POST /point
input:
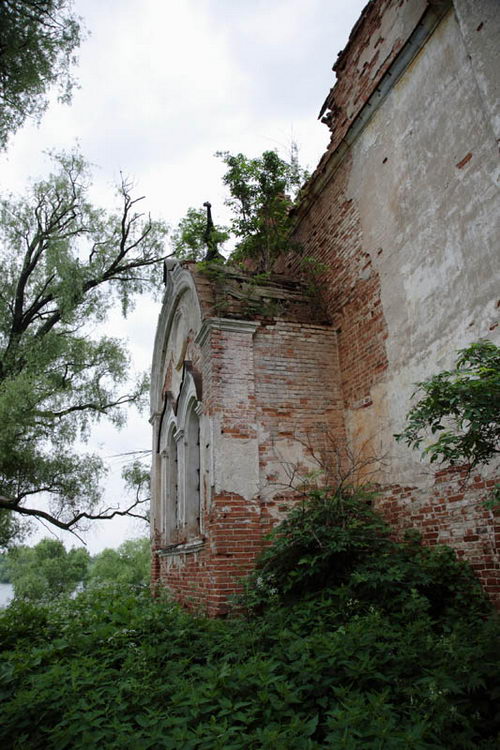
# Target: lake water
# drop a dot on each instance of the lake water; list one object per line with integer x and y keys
{"x": 6, "y": 594}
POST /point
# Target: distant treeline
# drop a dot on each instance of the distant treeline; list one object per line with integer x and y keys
{"x": 48, "y": 569}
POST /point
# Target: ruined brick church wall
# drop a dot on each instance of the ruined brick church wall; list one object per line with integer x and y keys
{"x": 268, "y": 385}
{"x": 403, "y": 212}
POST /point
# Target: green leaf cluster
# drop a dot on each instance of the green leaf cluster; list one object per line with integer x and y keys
{"x": 262, "y": 191}
{"x": 47, "y": 570}
{"x": 37, "y": 43}
{"x": 336, "y": 543}
{"x": 129, "y": 565}
{"x": 369, "y": 659}
{"x": 461, "y": 407}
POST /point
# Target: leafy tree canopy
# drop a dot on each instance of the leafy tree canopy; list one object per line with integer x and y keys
{"x": 4, "y": 569}
{"x": 63, "y": 263}
{"x": 46, "y": 570}
{"x": 13, "y": 529}
{"x": 130, "y": 564}
{"x": 37, "y": 42}
{"x": 462, "y": 407}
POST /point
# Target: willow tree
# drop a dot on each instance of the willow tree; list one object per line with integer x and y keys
{"x": 38, "y": 39}
{"x": 63, "y": 264}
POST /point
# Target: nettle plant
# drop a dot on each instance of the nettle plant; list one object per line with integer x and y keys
{"x": 359, "y": 641}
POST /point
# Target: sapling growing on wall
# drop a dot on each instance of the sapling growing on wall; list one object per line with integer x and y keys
{"x": 188, "y": 239}
{"x": 262, "y": 191}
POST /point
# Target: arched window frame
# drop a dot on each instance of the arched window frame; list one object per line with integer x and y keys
{"x": 169, "y": 476}
{"x": 189, "y": 411}
{"x": 192, "y": 469}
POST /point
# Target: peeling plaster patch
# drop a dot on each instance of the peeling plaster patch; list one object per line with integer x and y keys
{"x": 362, "y": 403}
{"x": 369, "y": 436}
{"x": 290, "y": 468}
{"x": 236, "y": 468}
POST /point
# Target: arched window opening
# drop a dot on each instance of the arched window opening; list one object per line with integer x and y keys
{"x": 192, "y": 452}
{"x": 169, "y": 498}
{"x": 172, "y": 493}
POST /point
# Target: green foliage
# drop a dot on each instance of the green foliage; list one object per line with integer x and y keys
{"x": 336, "y": 543}
{"x": 130, "y": 564}
{"x": 12, "y": 529}
{"x": 371, "y": 659}
{"x": 63, "y": 263}
{"x": 188, "y": 240}
{"x": 4, "y": 568}
{"x": 322, "y": 540}
{"x": 46, "y": 570}
{"x": 461, "y": 406}
{"x": 261, "y": 191}
{"x": 37, "y": 42}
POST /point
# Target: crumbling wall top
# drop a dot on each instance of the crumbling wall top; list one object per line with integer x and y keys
{"x": 381, "y": 31}
{"x": 229, "y": 292}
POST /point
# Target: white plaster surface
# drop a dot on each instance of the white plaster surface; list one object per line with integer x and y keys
{"x": 236, "y": 465}
{"x": 479, "y": 22}
{"x": 436, "y": 223}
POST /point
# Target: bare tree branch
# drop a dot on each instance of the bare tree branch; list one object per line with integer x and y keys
{"x": 108, "y": 513}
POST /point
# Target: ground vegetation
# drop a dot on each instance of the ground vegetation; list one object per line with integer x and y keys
{"x": 343, "y": 638}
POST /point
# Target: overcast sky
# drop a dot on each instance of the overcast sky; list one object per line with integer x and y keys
{"x": 164, "y": 84}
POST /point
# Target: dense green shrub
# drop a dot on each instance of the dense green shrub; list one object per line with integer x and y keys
{"x": 373, "y": 644}
{"x": 336, "y": 545}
